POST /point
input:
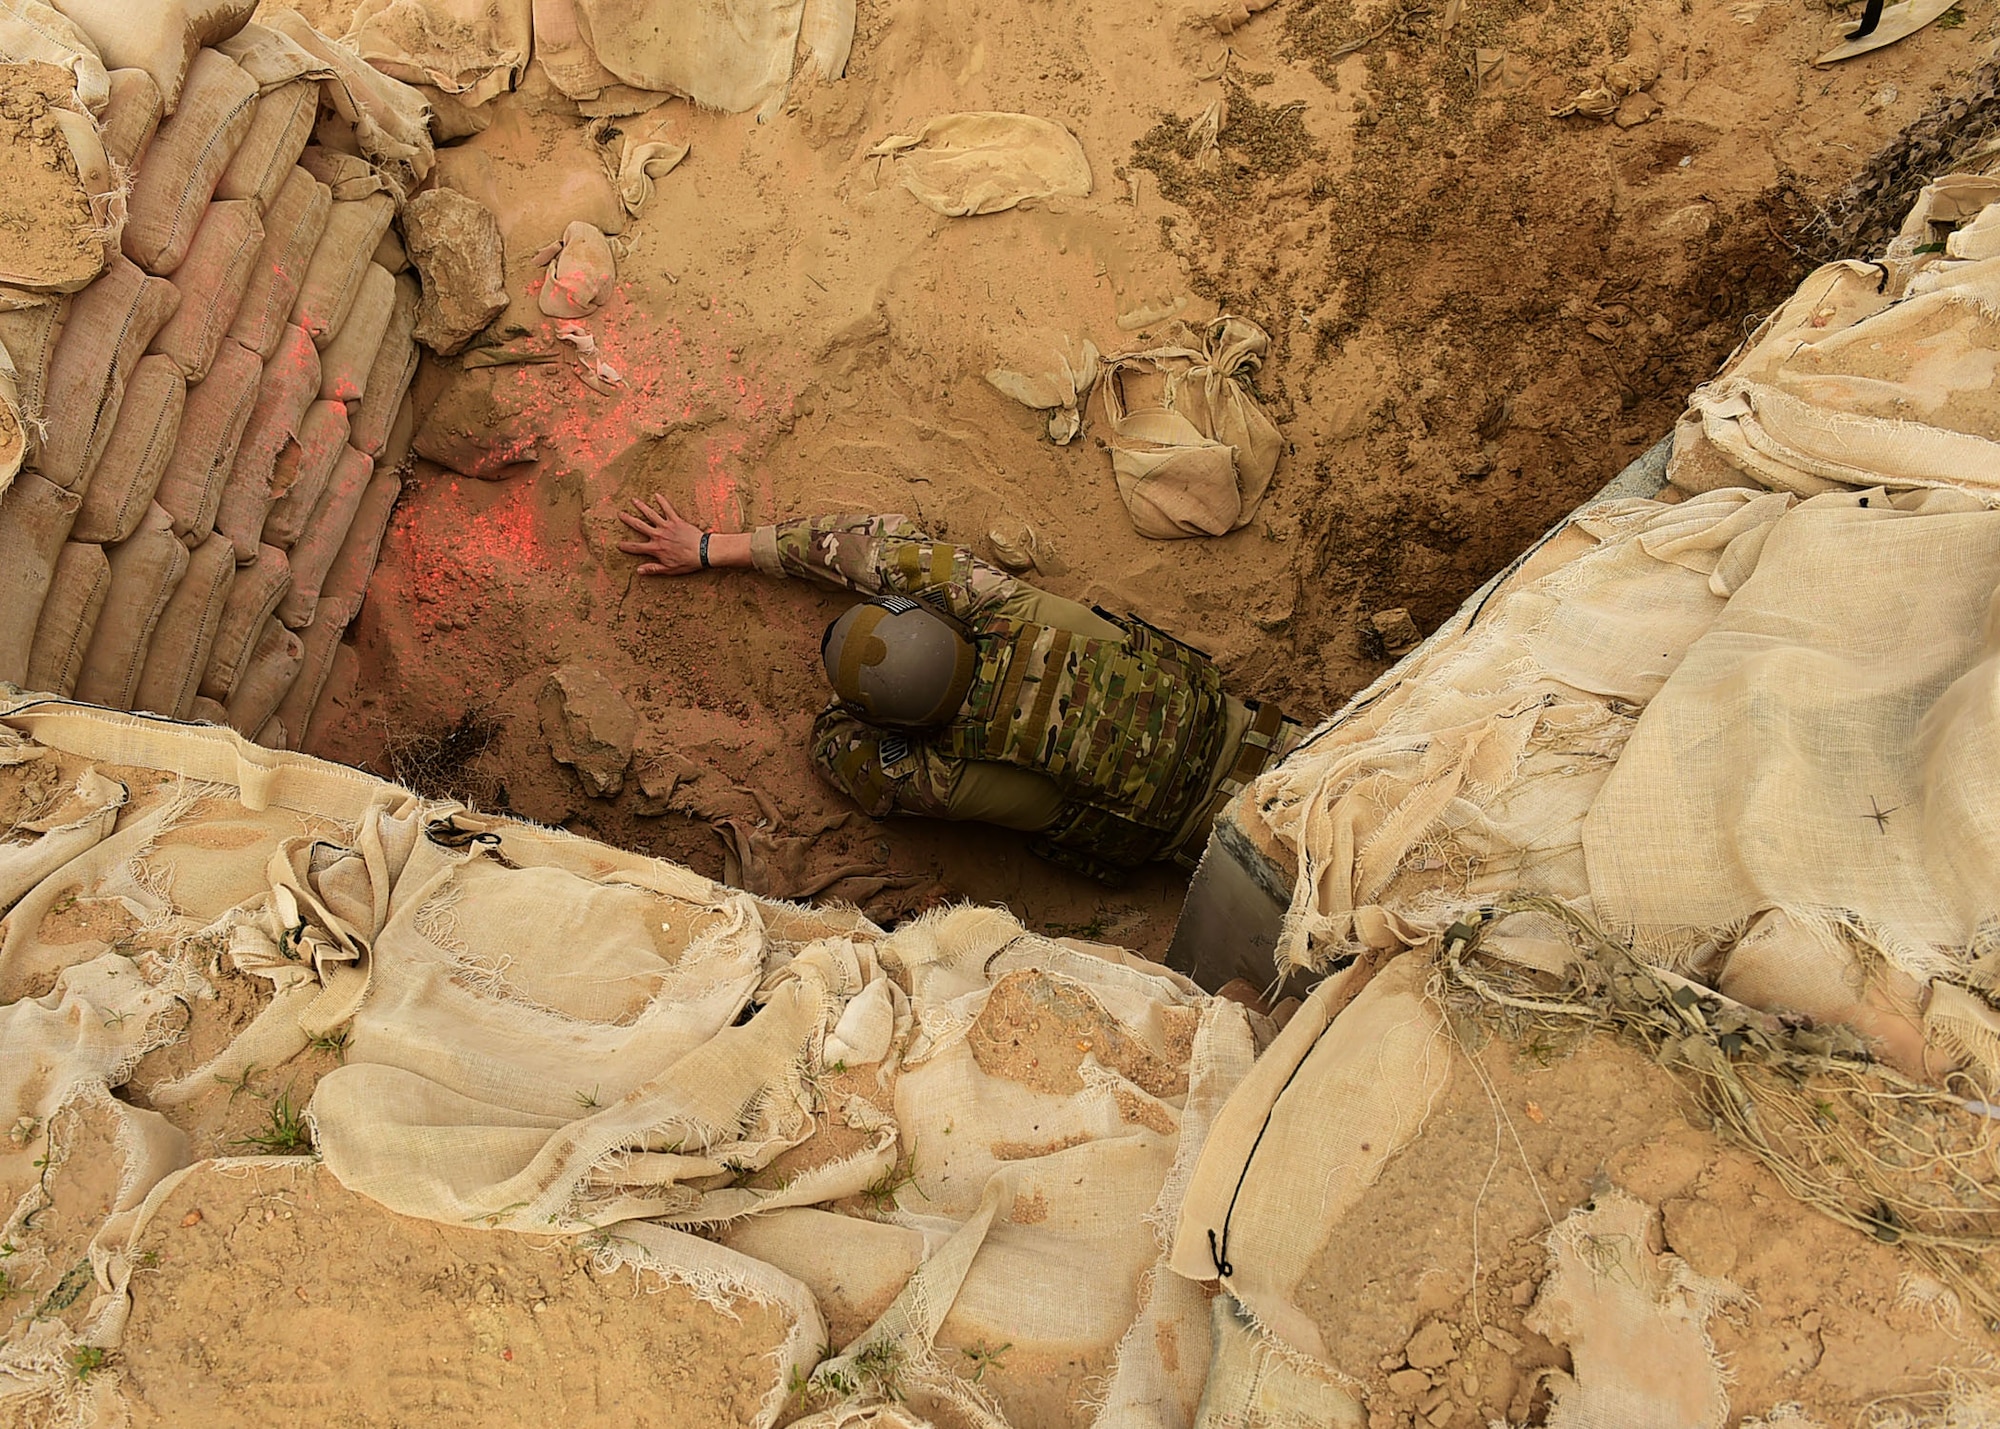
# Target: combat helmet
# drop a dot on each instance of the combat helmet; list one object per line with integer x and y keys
{"x": 895, "y": 662}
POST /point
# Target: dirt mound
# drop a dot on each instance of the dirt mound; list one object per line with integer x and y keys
{"x": 267, "y": 1292}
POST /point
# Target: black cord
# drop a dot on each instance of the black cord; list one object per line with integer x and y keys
{"x": 1219, "y": 1253}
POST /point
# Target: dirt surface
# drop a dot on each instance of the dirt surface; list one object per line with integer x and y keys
{"x": 269, "y": 1294}
{"x": 48, "y": 238}
{"x": 1452, "y": 1237}
{"x": 1478, "y": 313}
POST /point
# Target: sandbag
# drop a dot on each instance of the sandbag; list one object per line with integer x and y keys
{"x": 110, "y": 325}
{"x": 292, "y": 228}
{"x": 69, "y": 614}
{"x": 300, "y": 476}
{"x": 211, "y": 280}
{"x": 178, "y": 654}
{"x": 207, "y": 711}
{"x": 390, "y": 252}
{"x": 131, "y": 116}
{"x": 963, "y": 164}
{"x": 123, "y": 486}
{"x": 31, "y": 32}
{"x": 395, "y": 366}
{"x": 290, "y": 381}
{"x": 35, "y": 520}
{"x": 390, "y": 119}
{"x": 251, "y": 603}
{"x": 326, "y": 531}
{"x": 402, "y": 434}
{"x": 145, "y": 568}
{"x": 350, "y": 357}
{"x": 333, "y": 279}
{"x": 342, "y": 677}
{"x": 162, "y": 37}
{"x": 30, "y": 326}
{"x": 349, "y": 177}
{"x": 273, "y": 59}
{"x": 581, "y": 269}
{"x": 270, "y": 150}
{"x": 1199, "y": 461}
{"x": 321, "y": 641}
{"x": 474, "y": 49}
{"x": 266, "y": 676}
{"x": 346, "y": 581}
{"x": 57, "y": 193}
{"x": 273, "y": 735}
{"x": 172, "y": 188}
{"x": 211, "y": 427}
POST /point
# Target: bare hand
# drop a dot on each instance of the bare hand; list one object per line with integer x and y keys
{"x": 674, "y": 545}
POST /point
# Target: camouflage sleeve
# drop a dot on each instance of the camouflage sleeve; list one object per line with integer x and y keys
{"x": 881, "y": 770}
{"x": 876, "y": 555}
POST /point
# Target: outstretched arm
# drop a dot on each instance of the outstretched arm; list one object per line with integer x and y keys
{"x": 673, "y": 545}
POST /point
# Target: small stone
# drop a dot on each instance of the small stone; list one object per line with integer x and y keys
{"x": 589, "y": 727}
{"x": 1524, "y": 1293}
{"x": 1397, "y": 631}
{"x": 1410, "y": 1384}
{"x": 1636, "y": 109}
{"x": 1500, "y": 1339}
{"x": 192, "y": 1218}
{"x": 1441, "y": 1415}
{"x": 659, "y": 773}
{"x": 1431, "y": 1347}
{"x": 454, "y": 241}
{"x": 1013, "y": 544}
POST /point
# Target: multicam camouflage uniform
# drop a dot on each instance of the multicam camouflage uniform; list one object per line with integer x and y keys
{"x": 1106, "y": 738}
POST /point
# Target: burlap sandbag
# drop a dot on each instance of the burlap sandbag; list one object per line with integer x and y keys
{"x": 350, "y": 357}
{"x": 69, "y": 614}
{"x": 252, "y": 601}
{"x": 211, "y": 280}
{"x": 302, "y": 471}
{"x": 178, "y": 653}
{"x": 390, "y": 119}
{"x": 131, "y": 116}
{"x": 963, "y": 164}
{"x": 342, "y": 678}
{"x": 162, "y": 37}
{"x": 149, "y": 422}
{"x": 326, "y": 531}
{"x": 58, "y": 198}
{"x": 1198, "y": 460}
{"x": 474, "y": 49}
{"x": 110, "y": 325}
{"x": 31, "y": 32}
{"x": 292, "y": 228}
{"x": 348, "y": 177}
{"x": 172, "y": 188}
{"x": 207, "y": 711}
{"x": 321, "y": 641}
{"x": 265, "y": 679}
{"x": 390, "y": 377}
{"x": 735, "y": 57}
{"x": 211, "y": 426}
{"x": 333, "y": 279}
{"x": 270, "y": 149}
{"x": 290, "y": 379}
{"x": 30, "y": 327}
{"x": 145, "y": 568}
{"x": 346, "y": 580}
{"x": 35, "y": 520}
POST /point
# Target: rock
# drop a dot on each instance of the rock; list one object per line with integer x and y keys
{"x": 1635, "y": 109}
{"x": 1431, "y": 1347}
{"x": 1410, "y": 1384}
{"x": 659, "y": 773}
{"x": 1699, "y": 1233}
{"x": 455, "y": 243}
{"x": 1397, "y": 632}
{"x": 589, "y": 727}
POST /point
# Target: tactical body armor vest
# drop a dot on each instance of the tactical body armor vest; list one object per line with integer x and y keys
{"x": 1129, "y": 730}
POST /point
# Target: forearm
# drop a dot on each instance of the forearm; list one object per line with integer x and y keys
{"x": 727, "y": 550}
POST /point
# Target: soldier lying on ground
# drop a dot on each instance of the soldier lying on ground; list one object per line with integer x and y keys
{"x": 964, "y": 693}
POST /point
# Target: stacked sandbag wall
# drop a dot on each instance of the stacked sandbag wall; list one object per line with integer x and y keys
{"x": 212, "y": 433}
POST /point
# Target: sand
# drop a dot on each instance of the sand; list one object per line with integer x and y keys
{"x": 1478, "y": 314}
{"x": 48, "y": 238}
